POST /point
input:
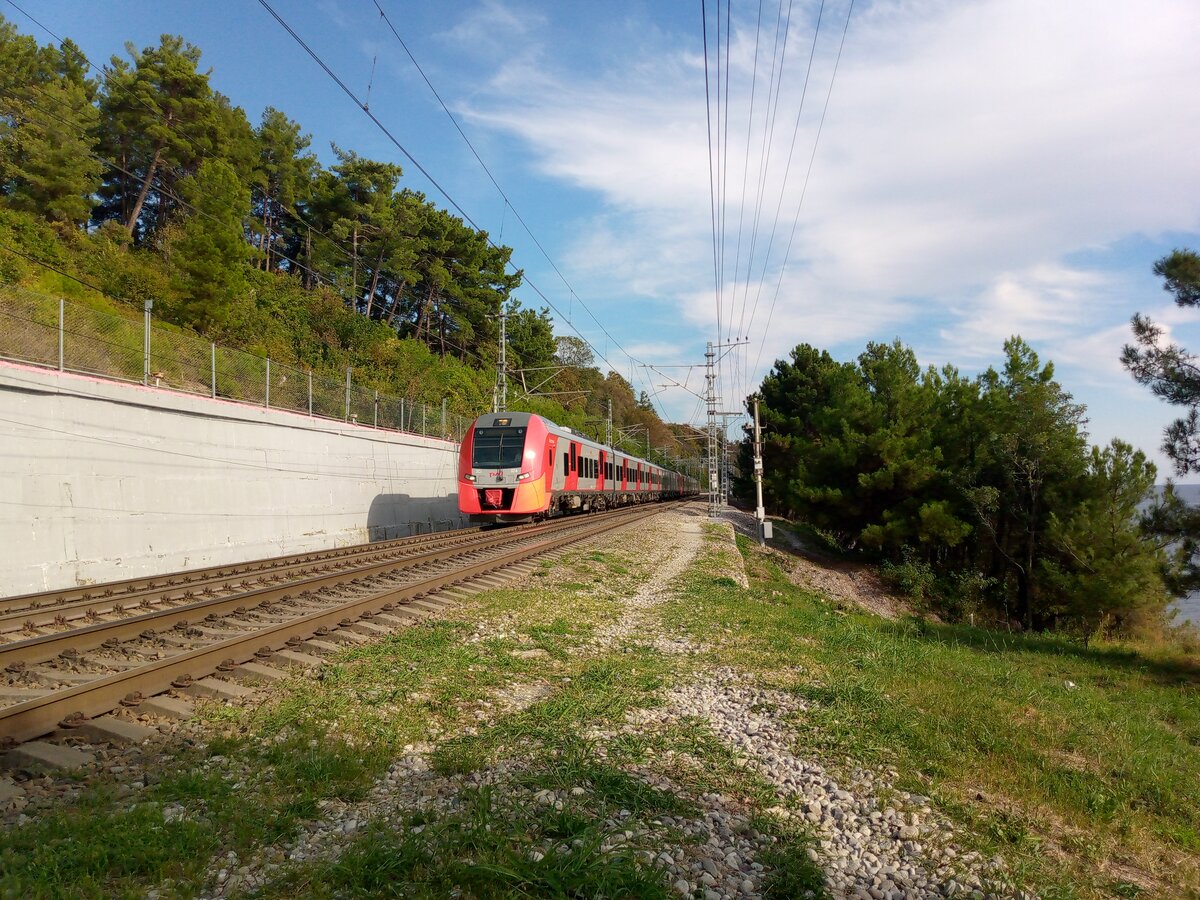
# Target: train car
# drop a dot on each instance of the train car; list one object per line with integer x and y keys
{"x": 518, "y": 467}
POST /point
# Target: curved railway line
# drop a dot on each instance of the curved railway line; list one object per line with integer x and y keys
{"x": 73, "y": 655}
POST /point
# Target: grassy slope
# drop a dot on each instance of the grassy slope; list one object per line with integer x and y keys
{"x": 1086, "y": 791}
{"x": 1080, "y": 765}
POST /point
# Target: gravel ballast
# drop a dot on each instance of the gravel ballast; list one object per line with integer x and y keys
{"x": 869, "y": 839}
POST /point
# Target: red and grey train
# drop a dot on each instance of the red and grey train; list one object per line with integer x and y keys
{"x": 517, "y": 467}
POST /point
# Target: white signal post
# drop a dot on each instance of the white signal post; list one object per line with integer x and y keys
{"x": 716, "y": 489}
{"x": 500, "y": 401}
{"x": 760, "y": 514}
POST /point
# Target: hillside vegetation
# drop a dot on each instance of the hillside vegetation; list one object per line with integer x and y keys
{"x": 981, "y": 497}
{"x": 149, "y": 184}
{"x": 605, "y": 729}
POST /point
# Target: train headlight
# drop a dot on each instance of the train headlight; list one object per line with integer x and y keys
{"x": 469, "y": 477}
{"x": 523, "y": 476}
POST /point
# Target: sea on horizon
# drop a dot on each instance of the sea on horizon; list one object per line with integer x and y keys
{"x": 1189, "y": 609}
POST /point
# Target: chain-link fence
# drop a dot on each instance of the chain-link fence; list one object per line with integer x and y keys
{"x": 50, "y": 332}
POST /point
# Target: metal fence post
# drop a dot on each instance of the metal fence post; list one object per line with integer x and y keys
{"x": 310, "y": 393}
{"x": 402, "y": 428}
{"x": 376, "y": 409}
{"x": 214, "y": 370}
{"x": 444, "y": 416}
{"x": 62, "y": 324}
{"x": 423, "y": 432}
{"x": 268, "y": 403}
{"x": 146, "y": 343}
{"x": 349, "y": 369}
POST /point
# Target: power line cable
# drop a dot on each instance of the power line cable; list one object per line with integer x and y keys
{"x": 712, "y": 192}
{"x": 508, "y": 204}
{"x": 306, "y": 267}
{"x": 786, "y": 172}
{"x": 437, "y": 185}
{"x": 315, "y": 273}
{"x": 770, "y": 115}
{"x": 804, "y": 191}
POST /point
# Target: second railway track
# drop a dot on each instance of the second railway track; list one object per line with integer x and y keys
{"x": 94, "y": 659}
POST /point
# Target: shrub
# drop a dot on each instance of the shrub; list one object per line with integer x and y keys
{"x": 912, "y": 576}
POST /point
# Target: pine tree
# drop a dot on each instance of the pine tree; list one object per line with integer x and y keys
{"x": 47, "y": 130}
{"x": 159, "y": 119}
{"x": 1167, "y": 369}
{"x": 50, "y": 168}
{"x": 209, "y": 254}
{"x": 1107, "y": 574}
{"x": 283, "y": 180}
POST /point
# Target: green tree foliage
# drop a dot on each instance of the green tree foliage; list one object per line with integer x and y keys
{"x": 1032, "y": 464}
{"x": 159, "y": 118}
{"x": 282, "y": 182}
{"x": 1103, "y": 568}
{"x": 1174, "y": 524}
{"x": 47, "y": 130}
{"x": 1170, "y": 371}
{"x": 530, "y": 341}
{"x": 209, "y": 254}
{"x": 572, "y": 351}
{"x": 240, "y": 232}
{"x": 983, "y": 483}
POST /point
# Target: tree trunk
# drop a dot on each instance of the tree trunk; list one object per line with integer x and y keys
{"x": 441, "y": 327}
{"x": 400, "y": 286}
{"x": 374, "y": 284}
{"x": 423, "y": 316}
{"x": 268, "y": 235}
{"x": 124, "y": 178}
{"x": 1030, "y": 552}
{"x": 354, "y": 289}
{"x": 308, "y": 279}
{"x": 137, "y": 206}
{"x": 262, "y": 239}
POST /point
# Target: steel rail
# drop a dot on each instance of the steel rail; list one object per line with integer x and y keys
{"x": 117, "y": 602}
{"x": 45, "y": 647}
{"x": 38, "y": 716}
{"x": 56, "y": 601}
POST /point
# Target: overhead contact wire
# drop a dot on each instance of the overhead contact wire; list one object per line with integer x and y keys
{"x": 804, "y": 190}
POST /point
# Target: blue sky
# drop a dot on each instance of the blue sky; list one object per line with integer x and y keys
{"x": 985, "y": 167}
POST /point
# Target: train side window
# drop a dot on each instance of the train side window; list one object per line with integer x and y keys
{"x": 566, "y": 464}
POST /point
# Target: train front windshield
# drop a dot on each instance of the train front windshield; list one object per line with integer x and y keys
{"x": 498, "y": 448}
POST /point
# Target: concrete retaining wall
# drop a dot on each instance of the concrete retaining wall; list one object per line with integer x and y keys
{"x": 101, "y": 480}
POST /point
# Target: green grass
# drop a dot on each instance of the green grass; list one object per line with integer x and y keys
{"x": 484, "y": 847}
{"x": 1077, "y": 764}
{"x": 792, "y": 873}
{"x": 1085, "y": 754}
{"x": 235, "y": 795}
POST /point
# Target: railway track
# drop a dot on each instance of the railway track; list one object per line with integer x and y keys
{"x": 74, "y": 657}
{"x": 46, "y": 606}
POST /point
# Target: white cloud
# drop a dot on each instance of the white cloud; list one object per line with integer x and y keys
{"x": 1045, "y": 304}
{"x": 494, "y": 26}
{"x": 971, "y": 149}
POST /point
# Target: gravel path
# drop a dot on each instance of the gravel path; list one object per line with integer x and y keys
{"x": 872, "y": 841}
{"x": 869, "y": 839}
